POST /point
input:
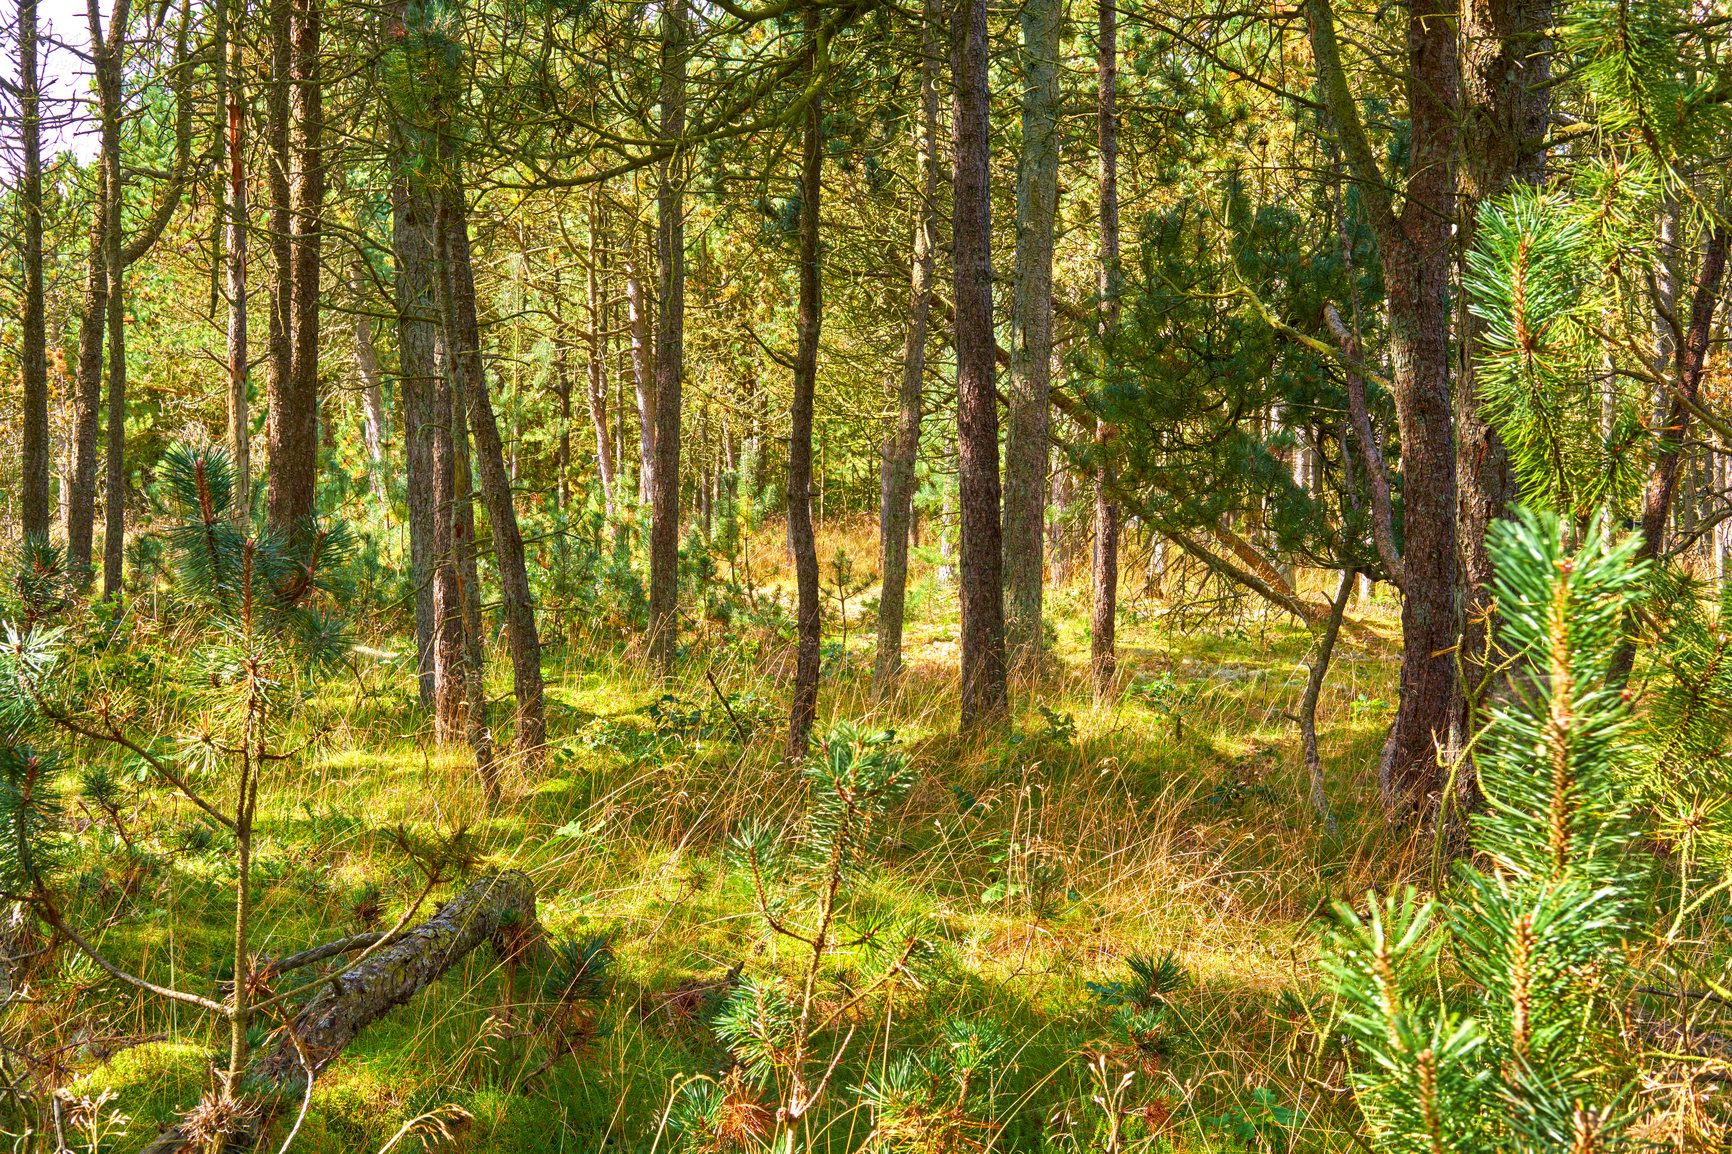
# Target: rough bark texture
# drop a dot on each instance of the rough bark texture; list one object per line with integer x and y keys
{"x": 281, "y": 419}
{"x": 491, "y": 909}
{"x": 92, "y": 324}
{"x": 1505, "y": 110}
{"x": 896, "y": 487}
{"x": 1104, "y": 602}
{"x": 294, "y": 424}
{"x": 643, "y": 377}
{"x": 109, "y": 78}
{"x": 985, "y": 695}
{"x": 37, "y": 509}
{"x": 517, "y": 605}
{"x": 1686, "y": 393}
{"x": 670, "y": 350}
{"x": 598, "y": 383}
{"x": 239, "y": 405}
{"x": 801, "y": 538}
{"x": 417, "y": 382}
{"x": 1416, "y": 248}
{"x": 1025, "y": 448}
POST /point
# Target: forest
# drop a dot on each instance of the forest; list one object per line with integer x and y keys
{"x": 900, "y": 576}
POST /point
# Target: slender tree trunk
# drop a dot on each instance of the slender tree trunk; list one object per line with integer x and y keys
{"x": 284, "y": 425}
{"x": 1308, "y": 703}
{"x": 367, "y": 368}
{"x": 896, "y": 489}
{"x": 37, "y": 510}
{"x": 239, "y": 405}
{"x": 637, "y": 309}
{"x": 92, "y": 324}
{"x": 1103, "y": 617}
{"x": 1416, "y": 248}
{"x": 109, "y": 78}
{"x": 295, "y": 433}
{"x": 597, "y": 383}
{"x": 670, "y": 349}
{"x": 517, "y": 606}
{"x": 417, "y": 387}
{"x": 1026, "y": 440}
{"x": 562, "y": 390}
{"x": 449, "y": 662}
{"x": 801, "y": 539}
{"x": 985, "y": 695}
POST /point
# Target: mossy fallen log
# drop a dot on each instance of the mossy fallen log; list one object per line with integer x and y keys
{"x": 499, "y": 908}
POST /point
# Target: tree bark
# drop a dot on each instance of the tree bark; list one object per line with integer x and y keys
{"x": 92, "y": 324}
{"x": 637, "y": 310}
{"x": 367, "y": 369}
{"x": 896, "y": 489}
{"x": 283, "y": 423}
{"x": 517, "y": 606}
{"x": 37, "y": 509}
{"x": 109, "y": 78}
{"x": 1104, "y": 572}
{"x": 1506, "y": 109}
{"x": 985, "y": 695}
{"x": 670, "y": 349}
{"x": 1308, "y": 703}
{"x": 295, "y": 433}
{"x": 417, "y": 384}
{"x": 597, "y": 383}
{"x": 801, "y": 538}
{"x": 239, "y": 404}
{"x": 1415, "y": 247}
{"x": 1026, "y": 440}
{"x": 449, "y": 672}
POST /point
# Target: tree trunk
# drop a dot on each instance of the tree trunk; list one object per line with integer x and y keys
{"x": 637, "y": 310}
{"x": 1103, "y": 616}
{"x": 239, "y": 405}
{"x": 367, "y": 368}
{"x": 670, "y": 349}
{"x": 1308, "y": 703}
{"x": 896, "y": 490}
{"x": 1506, "y": 107}
{"x": 448, "y": 648}
{"x": 1663, "y": 476}
{"x": 1415, "y": 248}
{"x": 92, "y": 324}
{"x": 295, "y": 440}
{"x": 417, "y": 387}
{"x": 283, "y": 422}
{"x": 1026, "y": 440}
{"x": 597, "y": 383}
{"x": 109, "y": 78}
{"x": 33, "y": 352}
{"x": 517, "y": 606}
{"x": 809, "y": 322}
{"x": 985, "y": 695}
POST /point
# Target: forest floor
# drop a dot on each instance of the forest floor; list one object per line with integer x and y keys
{"x": 1036, "y": 864}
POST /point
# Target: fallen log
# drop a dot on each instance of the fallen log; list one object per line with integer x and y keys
{"x": 499, "y": 908}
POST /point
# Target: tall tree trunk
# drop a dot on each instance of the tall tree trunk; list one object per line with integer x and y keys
{"x": 239, "y": 404}
{"x": 517, "y": 606}
{"x": 92, "y": 324}
{"x": 1692, "y": 358}
{"x": 562, "y": 391}
{"x": 643, "y": 377}
{"x": 1506, "y": 106}
{"x": 1103, "y": 616}
{"x": 37, "y": 508}
{"x": 283, "y": 424}
{"x": 597, "y": 383}
{"x": 417, "y": 386}
{"x": 449, "y": 662}
{"x": 896, "y": 490}
{"x": 367, "y": 369}
{"x": 801, "y": 539}
{"x": 109, "y": 79}
{"x": 1025, "y": 449}
{"x": 1415, "y": 247}
{"x": 1308, "y": 703}
{"x": 670, "y": 348}
{"x": 295, "y": 430}
{"x": 985, "y": 695}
